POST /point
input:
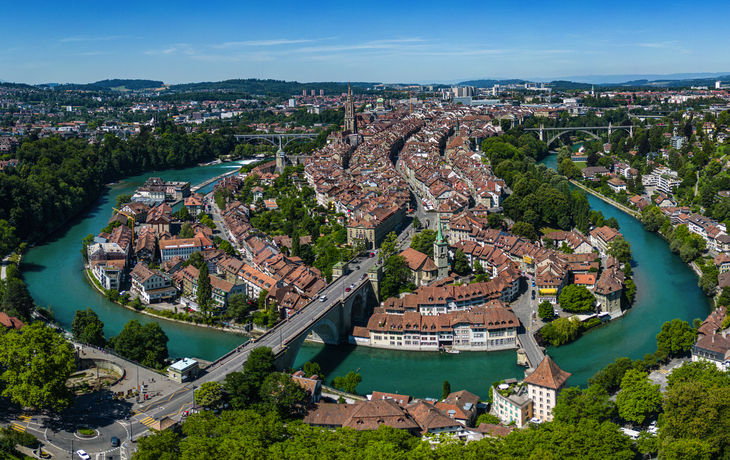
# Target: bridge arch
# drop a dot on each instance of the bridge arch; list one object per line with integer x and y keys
{"x": 555, "y": 137}
{"x": 326, "y": 331}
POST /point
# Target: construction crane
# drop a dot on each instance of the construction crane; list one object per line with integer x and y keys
{"x": 410, "y": 97}
{"x": 128, "y": 217}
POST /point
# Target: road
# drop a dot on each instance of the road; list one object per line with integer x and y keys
{"x": 526, "y": 309}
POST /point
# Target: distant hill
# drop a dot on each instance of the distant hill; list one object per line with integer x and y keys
{"x": 280, "y": 87}
{"x": 486, "y": 83}
{"x": 116, "y": 84}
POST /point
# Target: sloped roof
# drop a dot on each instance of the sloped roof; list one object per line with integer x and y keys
{"x": 548, "y": 375}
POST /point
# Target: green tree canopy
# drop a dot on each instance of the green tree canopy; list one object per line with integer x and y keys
{"x": 577, "y": 298}
{"x": 638, "y": 397}
{"x": 524, "y": 230}
{"x": 348, "y": 383}
{"x": 146, "y": 344}
{"x": 396, "y": 277}
{"x": 88, "y": 328}
{"x": 620, "y": 249}
{"x": 575, "y": 404}
{"x": 280, "y": 393}
{"x": 205, "y": 290}
{"x": 545, "y": 310}
{"x": 676, "y": 337}
{"x": 461, "y": 263}
{"x": 423, "y": 241}
{"x": 209, "y": 394}
{"x": 37, "y": 363}
{"x": 17, "y": 300}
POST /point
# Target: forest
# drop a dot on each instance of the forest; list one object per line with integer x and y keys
{"x": 58, "y": 178}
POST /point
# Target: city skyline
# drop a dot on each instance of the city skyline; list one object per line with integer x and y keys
{"x": 182, "y": 42}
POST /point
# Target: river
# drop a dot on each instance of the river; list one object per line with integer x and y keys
{"x": 667, "y": 289}
{"x": 53, "y": 271}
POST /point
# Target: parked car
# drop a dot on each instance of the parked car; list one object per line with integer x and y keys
{"x": 83, "y": 455}
{"x": 533, "y": 295}
{"x": 557, "y": 313}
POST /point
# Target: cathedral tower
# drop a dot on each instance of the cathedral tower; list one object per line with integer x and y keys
{"x": 350, "y": 120}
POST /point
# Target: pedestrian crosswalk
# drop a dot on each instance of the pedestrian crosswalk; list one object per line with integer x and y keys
{"x": 24, "y": 418}
{"x": 17, "y": 427}
{"x": 147, "y": 421}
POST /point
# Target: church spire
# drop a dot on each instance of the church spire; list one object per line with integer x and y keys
{"x": 439, "y": 236}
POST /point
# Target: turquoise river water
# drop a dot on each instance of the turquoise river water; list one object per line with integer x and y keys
{"x": 667, "y": 289}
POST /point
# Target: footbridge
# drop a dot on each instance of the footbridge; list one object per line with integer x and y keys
{"x": 590, "y": 130}
{"x": 328, "y": 321}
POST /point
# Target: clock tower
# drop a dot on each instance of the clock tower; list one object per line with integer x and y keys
{"x": 441, "y": 253}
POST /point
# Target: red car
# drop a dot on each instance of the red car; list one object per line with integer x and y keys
{"x": 347, "y": 289}
{"x": 372, "y": 254}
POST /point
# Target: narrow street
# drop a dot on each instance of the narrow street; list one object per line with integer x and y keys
{"x": 526, "y": 309}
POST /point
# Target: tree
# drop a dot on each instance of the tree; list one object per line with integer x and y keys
{"x": 445, "y": 389}
{"x": 162, "y": 445}
{"x": 184, "y": 215}
{"x": 88, "y": 328}
{"x": 205, "y": 290}
{"x": 613, "y": 223}
{"x": 37, "y": 362}
{"x": 461, "y": 263}
{"x": 85, "y": 243}
{"x": 708, "y": 283}
{"x": 524, "y": 230}
{"x": 495, "y": 221}
{"x": 545, "y": 310}
{"x": 144, "y": 344}
{"x": 478, "y": 268}
{"x": 17, "y": 300}
{"x": 209, "y": 394}
{"x": 389, "y": 246}
{"x": 620, "y": 249}
{"x": 569, "y": 169}
{"x": 348, "y": 383}
{"x": 676, "y": 337}
{"x": 311, "y": 369}
{"x": 238, "y": 306}
{"x": 187, "y": 230}
{"x": 577, "y": 298}
{"x": 638, "y": 396}
{"x": 123, "y": 199}
{"x": 196, "y": 260}
{"x": 575, "y": 404}
{"x": 561, "y": 331}
{"x": 282, "y": 394}
{"x": 488, "y": 419}
{"x": 396, "y": 276}
{"x": 260, "y": 364}
{"x": 416, "y": 222}
{"x": 423, "y": 241}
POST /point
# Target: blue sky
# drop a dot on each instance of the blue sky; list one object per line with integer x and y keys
{"x": 182, "y": 41}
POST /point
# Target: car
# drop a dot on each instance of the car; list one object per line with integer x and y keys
{"x": 372, "y": 254}
{"x": 348, "y": 289}
{"x": 363, "y": 277}
{"x": 533, "y": 295}
{"x": 533, "y": 283}
{"x": 357, "y": 268}
{"x": 83, "y": 455}
{"x": 323, "y": 298}
{"x": 115, "y": 441}
{"x": 352, "y": 286}
{"x": 557, "y": 313}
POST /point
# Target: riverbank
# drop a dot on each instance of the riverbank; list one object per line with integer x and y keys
{"x": 619, "y": 206}
{"x": 146, "y": 311}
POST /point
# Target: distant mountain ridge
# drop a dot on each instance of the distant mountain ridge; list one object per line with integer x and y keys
{"x": 615, "y": 81}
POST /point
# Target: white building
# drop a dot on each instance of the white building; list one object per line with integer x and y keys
{"x": 543, "y": 387}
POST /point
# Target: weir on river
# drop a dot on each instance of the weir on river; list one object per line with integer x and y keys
{"x": 667, "y": 289}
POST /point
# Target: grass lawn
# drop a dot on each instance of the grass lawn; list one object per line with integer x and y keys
{"x": 546, "y": 230}
{"x": 581, "y": 164}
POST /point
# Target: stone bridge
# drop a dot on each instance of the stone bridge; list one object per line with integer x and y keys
{"x": 586, "y": 129}
{"x": 331, "y": 326}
